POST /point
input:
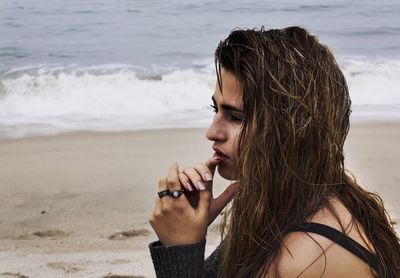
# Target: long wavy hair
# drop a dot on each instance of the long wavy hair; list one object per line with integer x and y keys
{"x": 290, "y": 160}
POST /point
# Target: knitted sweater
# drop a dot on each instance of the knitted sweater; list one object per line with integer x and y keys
{"x": 183, "y": 260}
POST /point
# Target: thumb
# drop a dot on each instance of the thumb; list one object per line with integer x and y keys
{"x": 219, "y": 203}
{"x": 206, "y": 195}
{"x": 212, "y": 163}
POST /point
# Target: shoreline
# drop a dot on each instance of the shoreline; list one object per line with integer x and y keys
{"x": 46, "y": 132}
{"x": 77, "y": 204}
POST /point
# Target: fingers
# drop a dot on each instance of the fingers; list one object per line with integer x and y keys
{"x": 211, "y": 164}
{"x": 173, "y": 178}
{"x": 162, "y": 185}
{"x": 207, "y": 195}
{"x": 219, "y": 203}
{"x": 170, "y": 184}
{"x": 205, "y": 172}
{"x": 193, "y": 176}
{"x": 185, "y": 181}
{"x": 174, "y": 219}
{"x": 199, "y": 176}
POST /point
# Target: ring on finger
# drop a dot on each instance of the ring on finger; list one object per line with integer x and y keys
{"x": 176, "y": 194}
{"x": 163, "y": 193}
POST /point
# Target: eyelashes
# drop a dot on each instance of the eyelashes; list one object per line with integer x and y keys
{"x": 234, "y": 118}
{"x": 229, "y": 116}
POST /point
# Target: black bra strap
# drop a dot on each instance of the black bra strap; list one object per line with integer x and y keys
{"x": 341, "y": 239}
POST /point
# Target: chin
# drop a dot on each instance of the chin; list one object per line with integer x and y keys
{"x": 225, "y": 171}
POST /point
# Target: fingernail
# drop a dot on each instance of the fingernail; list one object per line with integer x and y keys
{"x": 208, "y": 177}
{"x": 189, "y": 186}
{"x": 201, "y": 185}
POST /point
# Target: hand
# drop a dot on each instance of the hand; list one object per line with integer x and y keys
{"x": 185, "y": 220}
{"x": 175, "y": 221}
{"x": 200, "y": 178}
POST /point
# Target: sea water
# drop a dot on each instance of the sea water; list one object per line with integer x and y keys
{"x": 123, "y": 65}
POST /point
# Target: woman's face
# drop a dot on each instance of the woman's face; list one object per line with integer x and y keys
{"x": 226, "y": 125}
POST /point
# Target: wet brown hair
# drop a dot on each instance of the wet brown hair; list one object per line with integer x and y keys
{"x": 290, "y": 150}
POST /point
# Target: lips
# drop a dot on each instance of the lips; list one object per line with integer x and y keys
{"x": 219, "y": 155}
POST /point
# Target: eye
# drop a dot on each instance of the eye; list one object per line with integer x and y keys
{"x": 234, "y": 118}
{"x": 214, "y": 108}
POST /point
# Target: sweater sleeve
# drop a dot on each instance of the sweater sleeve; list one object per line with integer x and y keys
{"x": 183, "y": 260}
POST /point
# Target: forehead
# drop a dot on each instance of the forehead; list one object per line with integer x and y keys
{"x": 232, "y": 90}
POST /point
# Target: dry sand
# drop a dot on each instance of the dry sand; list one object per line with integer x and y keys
{"x": 77, "y": 204}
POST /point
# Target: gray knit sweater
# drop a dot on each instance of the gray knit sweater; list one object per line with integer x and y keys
{"x": 184, "y": 260}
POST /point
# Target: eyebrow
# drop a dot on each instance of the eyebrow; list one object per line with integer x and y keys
{"x": 228, "y": 106}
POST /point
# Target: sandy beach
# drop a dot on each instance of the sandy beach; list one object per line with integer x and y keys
{"x": 77, "y": 204}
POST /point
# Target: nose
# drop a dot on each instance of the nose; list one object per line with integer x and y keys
{"x": 216, "y": 131}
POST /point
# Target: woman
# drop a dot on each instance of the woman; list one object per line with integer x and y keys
{"x": 282, "y": 115}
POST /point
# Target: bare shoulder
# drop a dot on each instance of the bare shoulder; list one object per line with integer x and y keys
{"x": 312, "y": 255}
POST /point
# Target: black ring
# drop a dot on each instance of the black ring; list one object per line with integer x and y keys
{"x": 163, "y": 193}
{"x": 176, "y": 194}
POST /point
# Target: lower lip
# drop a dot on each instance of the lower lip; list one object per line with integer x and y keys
{"x": 219, "y": 157}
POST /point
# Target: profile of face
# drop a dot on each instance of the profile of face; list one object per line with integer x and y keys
{"x": 227, "y": 122}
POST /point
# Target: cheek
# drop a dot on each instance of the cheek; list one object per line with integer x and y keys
{"x": 235, "y": 138}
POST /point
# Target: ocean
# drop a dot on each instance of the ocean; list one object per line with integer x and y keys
{"x": 128, "y": 65}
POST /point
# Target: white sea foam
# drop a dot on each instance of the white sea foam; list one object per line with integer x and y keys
{"x": 374, "y": 88}
{"x": 106, "y": 98}
{"x": 48, "y": 99}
